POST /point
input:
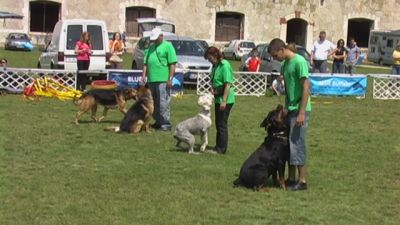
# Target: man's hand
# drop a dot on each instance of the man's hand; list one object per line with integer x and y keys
{"x": 169, "y": 84}
{"x": 222, "y": 106}
{"x": 300, "y": 119}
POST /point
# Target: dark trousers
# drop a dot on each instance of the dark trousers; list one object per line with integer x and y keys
{"x": 82, "y": 78}
{"x": 221, "y": 123}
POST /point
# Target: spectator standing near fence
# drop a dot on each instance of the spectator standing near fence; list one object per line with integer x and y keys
{"x": 396, "y": 60}
{"x": 339, "y": 55}
{"x": 83, "y": 49}
{"x": 295, "y": 72}
{"x": 117, "y": 47}
{"x": 253, "y": 62}
{"x": 353, "y": 53}
{"x": 322, "y": 48}
{"x": 159, "y": 70}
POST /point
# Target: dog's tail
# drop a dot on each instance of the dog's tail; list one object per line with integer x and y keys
{"x": 113, "y": 128}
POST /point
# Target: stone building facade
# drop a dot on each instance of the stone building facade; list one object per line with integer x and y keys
{"x": 257, "y": 20}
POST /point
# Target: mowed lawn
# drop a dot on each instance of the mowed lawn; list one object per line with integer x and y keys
{"x": 55, "y": 172}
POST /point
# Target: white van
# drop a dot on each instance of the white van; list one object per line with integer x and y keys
{"x": 381, "y": 46}
{"x": 60, "y": 51}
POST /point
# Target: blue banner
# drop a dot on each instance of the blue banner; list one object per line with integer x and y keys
{"x": 133, "y": 78}
{"x": 335, "y": 84}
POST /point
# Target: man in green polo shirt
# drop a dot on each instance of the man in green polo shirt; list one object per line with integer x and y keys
{"x": 159, "y": 70}
{"x": 295, "y": 72}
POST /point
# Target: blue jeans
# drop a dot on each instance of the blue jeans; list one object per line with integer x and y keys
{"x": 396, "y": 69}
{"x": 162, "y": 98}
{"x": 297, "y": 139}
{"x": 337, "y": 67}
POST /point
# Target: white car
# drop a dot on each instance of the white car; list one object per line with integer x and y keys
{"x": 236, "y": 49}
{"x": 60, "y": 51}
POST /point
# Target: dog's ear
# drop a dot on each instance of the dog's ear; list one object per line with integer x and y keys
{"x": 279, "y": 107}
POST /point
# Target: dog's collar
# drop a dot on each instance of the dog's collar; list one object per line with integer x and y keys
{"x": 280, "y": 135}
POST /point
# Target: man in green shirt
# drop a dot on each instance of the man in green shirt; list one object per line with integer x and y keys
{"x": 295, "y": 72}
{"x": 158, "y": 70}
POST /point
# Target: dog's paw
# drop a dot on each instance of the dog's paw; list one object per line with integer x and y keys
{"x": 193, "y": 153}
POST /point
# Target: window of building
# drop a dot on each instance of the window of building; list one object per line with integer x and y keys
{"x": 229, "y": 26}
{"x": 131, "y": 14}
{"x": 43, "y": 15}
{"x": 322, "y": 2}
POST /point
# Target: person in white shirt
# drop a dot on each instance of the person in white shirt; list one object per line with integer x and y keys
{"x": 322, "y": 48}
{"x": 278, "y": 86}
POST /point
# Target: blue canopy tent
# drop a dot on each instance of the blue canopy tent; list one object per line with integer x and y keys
{"x": 8, "y": 15}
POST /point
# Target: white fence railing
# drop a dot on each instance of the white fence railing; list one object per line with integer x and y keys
{"x": 16, "y": 80}
{"x": 246, "y": 83}
{"x": 386, "y": 86}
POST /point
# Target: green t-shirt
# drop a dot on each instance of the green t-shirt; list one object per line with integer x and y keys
{"x": 158, "y": 58}
{"x": 222, "y": 73}
{"x": 293, "y": 70}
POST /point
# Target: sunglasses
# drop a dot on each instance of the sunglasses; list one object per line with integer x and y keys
{"x": 3, "y": 62}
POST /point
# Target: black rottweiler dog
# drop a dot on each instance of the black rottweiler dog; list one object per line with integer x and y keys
{"x": 270, "y": 157}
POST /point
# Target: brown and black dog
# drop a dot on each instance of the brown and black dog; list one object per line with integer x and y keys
{"x": 139, "y": 114}
{"x": 107, "y": 98}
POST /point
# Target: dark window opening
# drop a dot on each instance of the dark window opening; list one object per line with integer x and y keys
{"x": 296, "y": 31}
{"x": 131, "y": 14}
{"x": 96, "y": 37}
{"x": 229, "y": 26}
{"x": 73, "y": 35}
{"x": 43, "y": 16}
{"x": 359, "y": 29}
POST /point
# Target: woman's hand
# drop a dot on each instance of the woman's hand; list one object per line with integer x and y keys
{"x": 222, "y": 106}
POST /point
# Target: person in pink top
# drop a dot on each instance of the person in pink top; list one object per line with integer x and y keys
{"x": 83, "y": 49}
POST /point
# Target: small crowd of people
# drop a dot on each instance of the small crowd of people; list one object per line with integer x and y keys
{"x": 344, "y": 57}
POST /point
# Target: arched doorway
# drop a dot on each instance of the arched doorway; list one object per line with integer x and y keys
{"x": 44, "y": 15}
{"x": 359, "y": 29}
{"x": 297, "y": 31}
{"x": 229, "y": 26}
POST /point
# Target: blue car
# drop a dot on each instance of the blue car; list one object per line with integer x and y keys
{"x": 18, "y": 41}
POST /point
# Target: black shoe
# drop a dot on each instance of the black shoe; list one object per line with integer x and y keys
{"x": 155, "y": 126}
{"x": 300, "y": 186}
{"x": 290, "y": 183}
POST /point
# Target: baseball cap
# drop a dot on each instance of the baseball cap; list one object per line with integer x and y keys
{"x": 155, "y": 33}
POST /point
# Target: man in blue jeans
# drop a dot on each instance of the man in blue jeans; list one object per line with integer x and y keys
{"x": 159, "y": 70}
{"x": 295, "y": 72}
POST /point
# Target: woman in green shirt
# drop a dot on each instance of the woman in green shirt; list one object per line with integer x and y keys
{"x": 222, "y": 88}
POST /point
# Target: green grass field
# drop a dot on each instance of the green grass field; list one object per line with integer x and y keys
{"x": 55, "y": 172}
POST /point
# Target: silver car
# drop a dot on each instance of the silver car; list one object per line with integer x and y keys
{"x": 189, "y": 53}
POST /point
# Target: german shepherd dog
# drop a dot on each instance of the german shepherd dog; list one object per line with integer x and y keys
{"x": 270, "y": 157}
{"x": 139, "y": 114}
{"x": 107, "y": 98}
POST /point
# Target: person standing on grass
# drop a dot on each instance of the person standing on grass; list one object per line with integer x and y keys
{"x": 353, "y": 53}
{"x": 221, "y": 82}
{"x": 83, "y": 49}
{"x": 295, "y": 72}
{"x": 117, "y": 47}
{"x": 396, "y": 60}
{"x": 253, "y": 62}
{"x": 322, "y": 48}
{"x": 338, "y": 57}
{"x": 158, "y": 71}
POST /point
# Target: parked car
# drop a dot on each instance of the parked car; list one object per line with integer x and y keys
{"x": 189, "y": 53}
{"x": 203, "y": 44}
{"x": 18, "y": 41}
{"x": 235, "y": 49}
{"x": 60, "y": 51}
